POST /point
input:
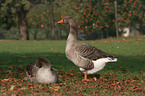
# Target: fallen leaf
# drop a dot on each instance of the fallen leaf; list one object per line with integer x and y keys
{"x": 60, "y": 75}
{"x": 21, "y": 73}
{"x": 12, "y": 87}
{"x": 30, "y": 86}
{"x": 21, "y": 65}
{"x": 10, "y": 72}
{"x": 45, "y": 90}
{"x": 95, "y": 79}
{"x": 56, "y": 88}
{"x": 113, "y": 84}
{"x": 11, "y": 67}
{"x": 117, "y": 83}
{"x": 97, "y": 93}
{"x": 4, "y": 80}
{"x": 24, "y": 88}
{"x": 3, "y": 89}
{"x": 126, "y": 59}
{"x": 18, "y": 89}
{"x": 139, "y": 84}
{"x": 93, "y": 41}
{"x": 124, "y": 39}
{"x": 142, "y": 81}
{"x": 136, "y": 89}
{"x": 13, "y": 94}
{"x": 71, "y": 74}
{"x": 25, "y": 78}
{"x": 118, "y": 87}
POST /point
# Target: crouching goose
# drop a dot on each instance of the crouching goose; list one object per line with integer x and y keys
{"x": 41, "y": 72}
{"x": 88, "y": 58}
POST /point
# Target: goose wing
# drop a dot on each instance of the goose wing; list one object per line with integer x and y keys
{"x": 89, "y": 52}
{"x": 43, "y": 62}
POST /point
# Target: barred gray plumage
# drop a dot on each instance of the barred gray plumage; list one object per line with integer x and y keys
{"x": 83, "y": 55}
{"x": 41, "y": 72}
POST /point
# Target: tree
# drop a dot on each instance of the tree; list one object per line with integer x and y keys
{"x": 18, "y": 8}
{"x": 131, "y": 12}
{"x": 24, "y": 14}
{"x": 99, "y": 15}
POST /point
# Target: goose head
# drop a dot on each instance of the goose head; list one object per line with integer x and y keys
{"x": 65, "y": 19}
{"x": 73, "y": 25}
{"x": 43, "y": 62}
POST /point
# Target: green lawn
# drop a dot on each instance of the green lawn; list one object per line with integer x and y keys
{"x": 126, "y": 77}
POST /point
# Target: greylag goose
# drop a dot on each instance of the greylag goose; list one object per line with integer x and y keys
{"x": 41, "y": 72}
{"x": 88, "y": 58}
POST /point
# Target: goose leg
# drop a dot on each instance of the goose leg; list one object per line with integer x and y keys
{"x": 85, "y": 78}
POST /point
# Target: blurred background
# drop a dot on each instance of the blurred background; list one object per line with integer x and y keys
{"x": 97, "y": 19}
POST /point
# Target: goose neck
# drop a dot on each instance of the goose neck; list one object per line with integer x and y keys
{"x": 73, "y": 32}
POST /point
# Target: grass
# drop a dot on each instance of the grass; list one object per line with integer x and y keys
{"x": 126, "y": 77}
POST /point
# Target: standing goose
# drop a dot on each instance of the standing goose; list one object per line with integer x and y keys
{"x": 41, "y": 72}
{"x": 88, "y": 58}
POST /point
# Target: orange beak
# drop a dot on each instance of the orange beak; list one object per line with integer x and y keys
{"x": 61, "y": 21}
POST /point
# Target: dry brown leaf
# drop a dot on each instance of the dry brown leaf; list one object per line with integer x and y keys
{"x": 136, "y": 89}
{"x": 3, "y": 89}
{"x": 139, "y": 84}
{"x": 124, "y": 39}
{"x": 30, "y": 86}
{"x": 56, "y": 88}
{"x": 95, "y": 78}
{"x": 93, "y": 41}
{"x": 12, "y": 87}
{"x": 11, "y": 67}
{"x": 97, "y": 93}
{"x": 24, "y": 88}
{"x": 117, "y": 83}
{"x": 118, "y": 87}
{"x": 60, "y": 75}
{"x": 4, "y": 80}
{"x": 142, "y": 81}
{"x": 13, "y": 95}
{"x": 113, "y": 84}
{"x": 10, "y": 72}
{"x": 71, "y": 74}
{"x": 126, "y": 59}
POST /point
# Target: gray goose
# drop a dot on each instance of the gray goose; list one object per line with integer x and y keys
{"x": 88, "y": 58}
{"x": 41, "y": 72}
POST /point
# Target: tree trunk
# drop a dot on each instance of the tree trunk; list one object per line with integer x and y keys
{"x": 53, "y": 29}
{"x": 35, "y": 34}
{"x": 116, "y": 19}
{"x": 22, "y": 20}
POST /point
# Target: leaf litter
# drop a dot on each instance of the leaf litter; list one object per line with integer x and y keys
{"x": 70, "y": 84}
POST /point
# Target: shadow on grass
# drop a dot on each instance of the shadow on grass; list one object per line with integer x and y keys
{"x": 19, "y": 61}
{"x": 61, "y": 63}
{"x": 128, "y": 63}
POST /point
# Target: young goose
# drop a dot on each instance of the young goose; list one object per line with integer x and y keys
{"x": 41, "y": 72}
{"x": 88, "y": 58}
